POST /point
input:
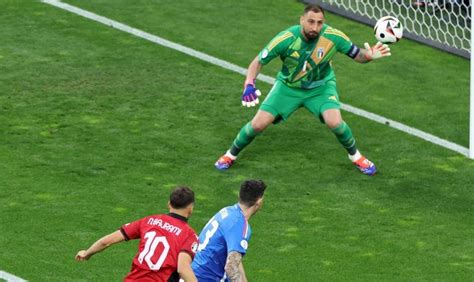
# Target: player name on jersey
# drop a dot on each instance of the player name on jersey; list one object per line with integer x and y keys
{"x": 164, "y": 225}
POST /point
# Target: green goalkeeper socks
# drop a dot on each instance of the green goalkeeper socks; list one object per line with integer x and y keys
{"x": 247, "y": 134}
{"x": 344, "y": 136}
{"x": 245, "y": 137}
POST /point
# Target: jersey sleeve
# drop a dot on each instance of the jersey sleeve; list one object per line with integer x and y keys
{"x": 342, "y": 42}
{"x": 131, "y": 230}
{"x": 191, "y": 244}
{"x": 237, "y": 237}
{"x": 276, "y": 47}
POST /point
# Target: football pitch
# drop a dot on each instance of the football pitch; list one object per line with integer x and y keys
{"x": 97, "y": 126}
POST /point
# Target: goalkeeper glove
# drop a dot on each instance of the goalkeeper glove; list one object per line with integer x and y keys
{"x": 378, "y": 51}
{"x": 250, "y": 95}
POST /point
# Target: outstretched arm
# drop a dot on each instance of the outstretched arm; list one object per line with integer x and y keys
{"x": 368, "y": 54}
{"x": 234, "y": 268}
{"x": 252, "y": 71}
{"x": 100, "y": 245}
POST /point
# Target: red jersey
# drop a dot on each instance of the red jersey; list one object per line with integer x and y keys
{"x": 162, "y": 238}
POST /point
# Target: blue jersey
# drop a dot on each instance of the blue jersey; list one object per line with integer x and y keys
{"x": 228, "y": 231}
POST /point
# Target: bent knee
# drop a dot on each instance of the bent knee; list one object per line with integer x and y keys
{"x": 334, "y": 123}
{"x": 259, "y": 126}
{"x": 332, "y": 118}
{"x": 261, "y": 121}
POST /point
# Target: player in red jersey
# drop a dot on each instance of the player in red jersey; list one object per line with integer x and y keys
{"x": 167, "y": 243}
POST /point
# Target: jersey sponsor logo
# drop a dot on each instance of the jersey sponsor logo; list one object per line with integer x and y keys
{"x": 320, "y": 53}
{"x": 295, "y": 55}
{"x": 264, "y": 53}
{"x": 194, "y": 247}
{"x": 244, "y": 244}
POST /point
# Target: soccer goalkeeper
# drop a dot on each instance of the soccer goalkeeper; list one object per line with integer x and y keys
{"x": 306, "y": 80}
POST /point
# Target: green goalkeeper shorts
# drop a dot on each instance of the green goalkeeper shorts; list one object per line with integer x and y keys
{"x": 283, "y": 100}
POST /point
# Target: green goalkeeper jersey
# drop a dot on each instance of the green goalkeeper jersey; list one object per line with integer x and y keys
{"x": 307, "y": 64}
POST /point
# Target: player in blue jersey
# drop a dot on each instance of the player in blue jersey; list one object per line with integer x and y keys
{"x": 224, "y": 240}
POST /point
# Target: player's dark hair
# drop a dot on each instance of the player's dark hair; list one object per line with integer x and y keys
{"x": 251, "y": 191}
{"x": 181, "y": 197}
{"x": 313, "y": 8}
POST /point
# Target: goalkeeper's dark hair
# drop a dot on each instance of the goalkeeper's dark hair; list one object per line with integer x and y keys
{"x": 313, "y": 8}
{"x": 251, "y": 191}
{"x": 181, "y": 197}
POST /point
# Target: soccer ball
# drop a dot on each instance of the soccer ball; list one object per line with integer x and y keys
{"x": 388, "y": 30}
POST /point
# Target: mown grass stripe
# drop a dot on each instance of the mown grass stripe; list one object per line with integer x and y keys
{"x": 229, "y": 66}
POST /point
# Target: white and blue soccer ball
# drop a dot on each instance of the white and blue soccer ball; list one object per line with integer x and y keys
{"x": 388, "y": 30}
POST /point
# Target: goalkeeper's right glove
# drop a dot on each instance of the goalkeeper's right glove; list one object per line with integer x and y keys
{"x": 250, "y": 95}
{"x": 378, "y": 51}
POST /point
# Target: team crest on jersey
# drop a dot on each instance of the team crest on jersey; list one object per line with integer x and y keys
{"x": 244, "y": 244}
{"x": 194, "y": 247}
{"x": 320, "y": 53}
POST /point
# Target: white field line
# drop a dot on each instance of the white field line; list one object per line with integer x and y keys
{"x": 232, "y": 67}
{"x": 10, "y": 277}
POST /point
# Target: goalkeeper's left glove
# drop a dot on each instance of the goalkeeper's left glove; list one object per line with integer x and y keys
{"x": 378, "y": 51}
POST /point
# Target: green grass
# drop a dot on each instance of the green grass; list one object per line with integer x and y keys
{"x": 97, "y": 126}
